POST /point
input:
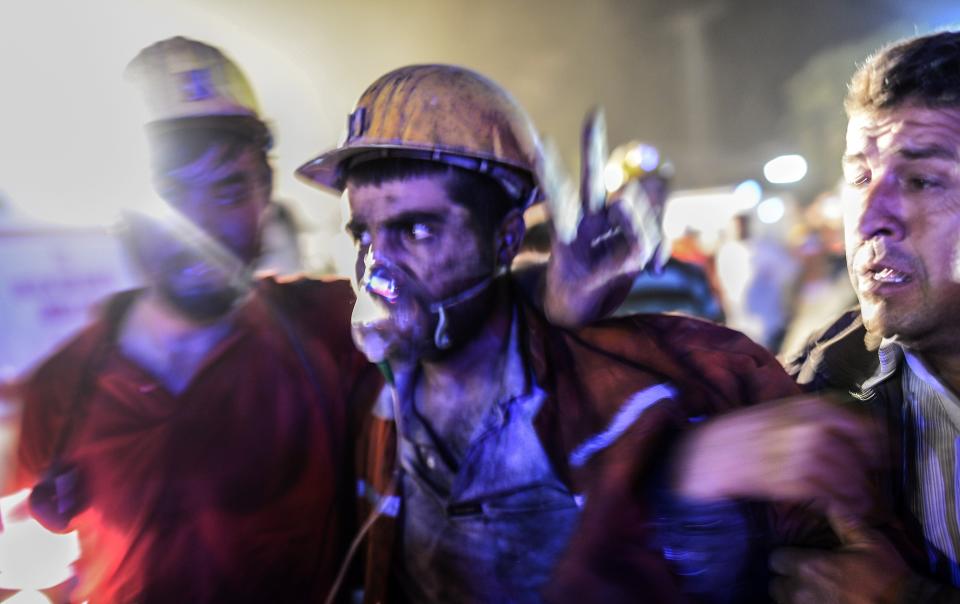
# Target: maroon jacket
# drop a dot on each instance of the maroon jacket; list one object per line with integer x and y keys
{"x": 588, "y": 375}
{"x": 226, "y": 492}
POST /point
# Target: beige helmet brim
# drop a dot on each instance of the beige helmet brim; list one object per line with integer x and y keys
{"x": 327, "y": 170}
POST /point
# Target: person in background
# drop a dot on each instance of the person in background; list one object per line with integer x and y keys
{"x": 673, "y": 285}
{"x": 756, "y": 274}
{"x": 197, "y": 433}
{"x": 823, "y": 288}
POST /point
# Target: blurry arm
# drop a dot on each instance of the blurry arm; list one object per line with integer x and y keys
{"x": 802, "y": 449}
{"x": 719, "y": 541}
{"x": 716, "y": 547}
{"x": 786, "y": 453}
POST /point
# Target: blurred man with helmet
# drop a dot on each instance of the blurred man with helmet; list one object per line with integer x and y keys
{"x": 196, "y": 435}
{"x": 506, "y": 449}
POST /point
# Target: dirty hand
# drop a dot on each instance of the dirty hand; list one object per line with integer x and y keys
{"x": 601, "y": 241}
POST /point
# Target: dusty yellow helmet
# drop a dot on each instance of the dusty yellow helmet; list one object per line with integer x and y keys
{"x": 441, "y": 113}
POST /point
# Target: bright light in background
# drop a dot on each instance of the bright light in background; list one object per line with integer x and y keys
{"x": 831, "y": 208}
{"x": 31, "y": 557}
{"x": 694, "y": 210}
{"x": 747, "y": 194}
{"x": 644, "y": 156}
{"x": 613, "y": 177}
{"x": 72, "y": 150}
{"x": 771, "y": 210}
{"x": 785, "y": 169}
{"x": 706, "y": 211}
{"x": 28, "y": 597}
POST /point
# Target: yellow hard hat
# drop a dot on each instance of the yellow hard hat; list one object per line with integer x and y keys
{"x": 181, "y": 79}
{"x": 441, "y": 113}
{"x": 635, "y": 160}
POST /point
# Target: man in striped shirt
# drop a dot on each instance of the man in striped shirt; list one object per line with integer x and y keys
{"x": 899, "y": 354}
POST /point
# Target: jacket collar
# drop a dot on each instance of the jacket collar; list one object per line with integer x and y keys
{"x": 890, "y": 355}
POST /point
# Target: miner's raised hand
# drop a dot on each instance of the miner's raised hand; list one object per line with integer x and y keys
{"x": 605, "y": 233}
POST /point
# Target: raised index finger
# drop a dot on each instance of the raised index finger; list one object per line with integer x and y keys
{"x": 593, "y": 158}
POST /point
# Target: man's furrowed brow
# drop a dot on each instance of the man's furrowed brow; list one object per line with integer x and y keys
{"x": 417, "y": 216}
{"x": 928, "y": 152}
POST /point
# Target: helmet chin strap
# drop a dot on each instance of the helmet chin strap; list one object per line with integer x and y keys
{"x": 441, "y": 336}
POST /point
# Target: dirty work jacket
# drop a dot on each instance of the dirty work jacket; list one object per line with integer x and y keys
{"x": 227, "y": 491}
{"x": 605, "y": 428}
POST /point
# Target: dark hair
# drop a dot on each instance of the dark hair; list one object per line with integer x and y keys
{"x": 486, "y": 199}
{"x": 924, "y": 70}
{"x": 179, "y": 143}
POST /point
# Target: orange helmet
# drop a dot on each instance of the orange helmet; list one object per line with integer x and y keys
{"x": 441, "y": 113}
